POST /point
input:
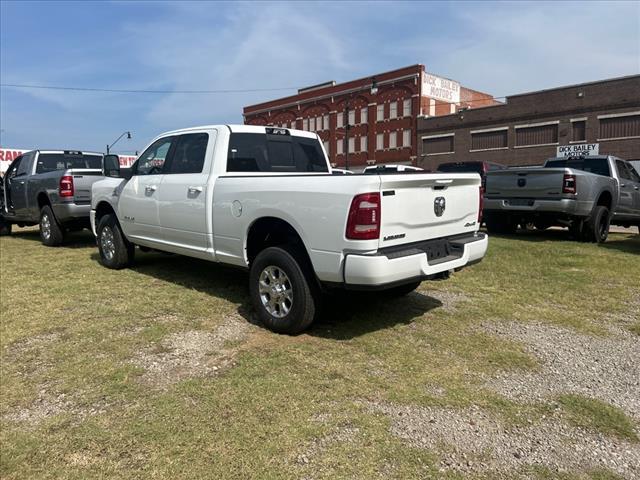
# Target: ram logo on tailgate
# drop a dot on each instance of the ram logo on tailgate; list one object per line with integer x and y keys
{"x": 439, "y": 204}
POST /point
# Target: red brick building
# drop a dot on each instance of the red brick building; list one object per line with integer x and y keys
{"x": 528, "y": 128}
{"x": 381, "y": 111}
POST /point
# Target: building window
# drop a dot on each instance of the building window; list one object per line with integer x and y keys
{"x": 326, "y": 122}
{"x": 305, "y": 124}
{"x": 340, "y": 147}
{"x": 340, "y": 120}
{"x": 364, "y": 112}
{"x": 579, "y": 131}
{"x": 326, "y": 147}
{"x": 489, "y": 140}
{"x": 393, "y": 139}
{"x": 406, "y": 108}
{"x": 393, "y": 110}
{"x": 312, "y": 124}
{"x": 363, "y": 144}
{"x": 620, "y": 127}
{"x": 352, "y": 117}
{"x": 380, "y": 141}
{"x": 319, "y": 123}
{"x": 438, "y": 144}
{"x": 293, "y": 124}
{"x": 406, "y": 138}
{"x": 537, "y": 135}
{"x": 352, "y": 145}
{"x": 380, "y": 113}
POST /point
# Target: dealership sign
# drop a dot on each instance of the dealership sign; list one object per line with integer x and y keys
{"x": 8, "y": 155}
{"x": 578, "y": 150}
{"x": 440, "y": 88}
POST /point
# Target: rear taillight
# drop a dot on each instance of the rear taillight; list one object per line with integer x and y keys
{"x": 66, "y": 186}
{"x": 480, "y": 204}
{"x": 364, "y": 217}
{"x": 569, "y": 184}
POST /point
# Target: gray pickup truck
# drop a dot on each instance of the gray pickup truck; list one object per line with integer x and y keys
{"x": 51, "y": 188}
{"x": 585, "y": 194}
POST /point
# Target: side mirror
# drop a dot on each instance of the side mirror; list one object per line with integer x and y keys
{"x": 112, "y": 166}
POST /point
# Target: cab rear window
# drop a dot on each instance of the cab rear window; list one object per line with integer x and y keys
{"x": 258, "y": 152}
{"x": 599, "y": 166}
{"x": 51, "y": 162}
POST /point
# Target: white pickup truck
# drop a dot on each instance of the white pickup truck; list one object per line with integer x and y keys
{"x": 264, "y": 198}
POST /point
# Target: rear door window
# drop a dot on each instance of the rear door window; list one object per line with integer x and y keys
{"x": 189, "y": 153}
{"x": 259, "y": 152}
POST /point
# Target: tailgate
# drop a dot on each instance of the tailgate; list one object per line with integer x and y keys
{"x": 525, "y": 183}
{"x": 82, "y": 181}
{"x": 412, "y": 206}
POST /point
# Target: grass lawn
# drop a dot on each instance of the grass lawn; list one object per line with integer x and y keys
{"x": 92, "y": 386}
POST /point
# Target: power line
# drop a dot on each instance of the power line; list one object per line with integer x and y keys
{"x": 118, "y": 90}
{"x": 197, "y": 92}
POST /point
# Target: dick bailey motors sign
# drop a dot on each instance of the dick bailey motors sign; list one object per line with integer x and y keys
{"x": 580, "y": 150}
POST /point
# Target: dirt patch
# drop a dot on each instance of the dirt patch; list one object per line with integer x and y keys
{"x": 606, "y": 368}
{"x": 449, "y": 300}
{"x": 317, "y": 446}
{"x": 28, "y": 344}
{"x": 472, "y": 440}
{"x": 49, "y": 404}
{"x": 190, "y": 354}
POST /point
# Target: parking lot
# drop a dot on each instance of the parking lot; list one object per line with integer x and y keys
{"x": 524, "y": 366}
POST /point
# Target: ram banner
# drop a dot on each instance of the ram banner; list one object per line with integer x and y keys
{"x": 9, "y": 154}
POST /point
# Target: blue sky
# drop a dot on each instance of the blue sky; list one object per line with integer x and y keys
{"x": 501, "y": 48}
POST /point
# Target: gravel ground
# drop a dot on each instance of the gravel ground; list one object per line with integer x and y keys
{"x": 606, "y": 368}
{"x": 472, "y": 440}
{"x": 195, "y": 353}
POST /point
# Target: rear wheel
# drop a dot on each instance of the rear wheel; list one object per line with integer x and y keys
{"x": 51, "y": 231}
{"x": 596, "y": 228}
{"x": 115, "y": 251}
{"x": 5, "y": 227}
{"x": 281, "y": 292}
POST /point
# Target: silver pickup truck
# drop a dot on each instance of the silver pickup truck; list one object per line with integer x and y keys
{"x": 51, "y": 188}
{"x": 585, "y": 194}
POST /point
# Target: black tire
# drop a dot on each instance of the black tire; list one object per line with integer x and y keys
{"x": 596, "y": 228}
{"x": 292, "y": 314}
{"x": 51, "y": 231}
{"x": 500, "y": 224}
{"x": 116, "y": 252}
{"x": 401, "y": 290}
{"x": 5, "y": 227}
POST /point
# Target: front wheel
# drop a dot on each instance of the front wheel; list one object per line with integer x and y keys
{"x": 51, "y": 232}
{"x": 115, "y": 251}
{"x": 280, "y": 292}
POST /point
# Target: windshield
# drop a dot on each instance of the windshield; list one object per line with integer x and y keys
{"x": 51, "y": 162}
{"x": 599, "y": 166}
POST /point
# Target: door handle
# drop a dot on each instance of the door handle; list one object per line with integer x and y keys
{"x": 194, "y": 190}
{"x": 21, "y": 182}
{"x": 150, "y": 189}
{"x": 623, "y": 184}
